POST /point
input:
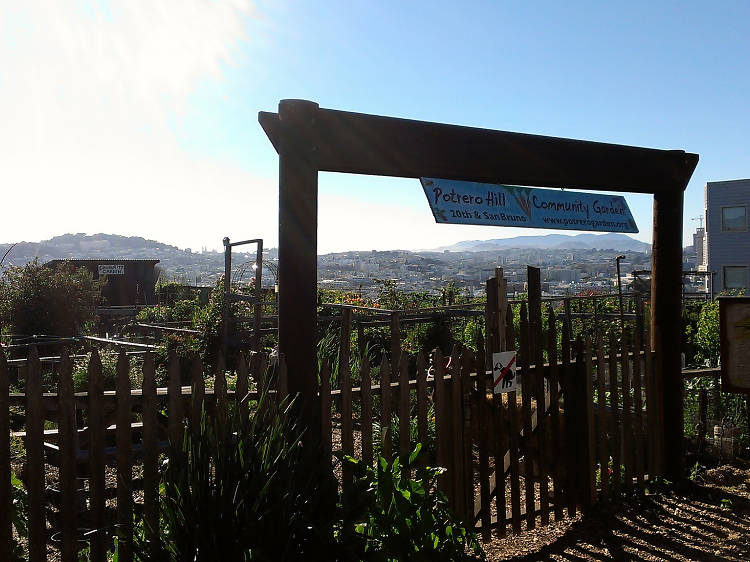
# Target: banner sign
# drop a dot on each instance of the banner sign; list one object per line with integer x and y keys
{"x": 504, "y": 372}
{"x": 112, "y": 269}
{"x": 486, "y": 204}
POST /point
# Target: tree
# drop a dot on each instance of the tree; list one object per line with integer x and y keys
{"x": 36, "y": 299}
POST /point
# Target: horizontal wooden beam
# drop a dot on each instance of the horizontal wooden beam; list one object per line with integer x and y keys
{"x": 340, "y": 141}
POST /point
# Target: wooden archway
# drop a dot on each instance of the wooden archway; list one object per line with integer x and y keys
{"x": 310, "y": 139}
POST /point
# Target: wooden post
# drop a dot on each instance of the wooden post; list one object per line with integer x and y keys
{"x": 258, "y": 307}
{"x": 66, "y": 420}
{"x": 366, "y": 419}
{"x": 345, "y": 382}
{"x": 124, "y": 461}
{"x": 151, "y": 452}
{"x": 37, "y": 526}
{"x": 97, "y": 481}
{"x": 175, "y": 409}
{"x": 534, "y": 281}
{"x": 502, "y": 307}
{"x": 298, "y": 270}
{"x": 6, "y": 499}
{"x": 227, "y": 291}
{"x": 666, "y": 306}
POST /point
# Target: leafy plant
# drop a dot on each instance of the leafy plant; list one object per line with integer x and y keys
{"x": 395, "y": 517}
{"x": 18, "y": 515}
{"x": 246, "y": 489}
{"x": 36, "y": 299}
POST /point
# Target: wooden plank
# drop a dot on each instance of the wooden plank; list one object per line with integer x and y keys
{"x": 98, "y": 551}
{"x": 484, "y": 464}
{"x": 150, "y": 451}
{"x": 198, "y": 388}
{"x": 558, "y": 441}
{"x": 395, "y": 341}
{"x": 638, "y": 412}
{"x": 35, "y": 482}
{"x": 534, "y": 283}
{"x": 491, "y": 321}
{"x": 501, "y": 446}
{"x": 373, "y": 144}
{"x": 6, "y": 498}
{"x": 542, "y": 428}
{"x": 283, "y": 385}
{"x": 345, "y": 381}
{"x": 442, "y": 426}
{"x": 470, "y": 429}
{"x": 366, "y": 409}
{"x": 422, "y": 421}
{"x": 66, "y": 424}
{"x": 601, "y": 416}
{"x": 385, "y": 410}
{"x": 240, "y": 404}
{"x": 627, "y": 413}
{"x": 404, "y": 413}
{"x": 123, "y": 437}
{"x": 527, "y": 390}
{"x": 615, "y": 423}
{"x": 175, "y": 408}
{"x": 502, "y": 308}
{"x": 325, "y": 408}
{"x": 568, "y": 381}
{"x": 457, "y": 419}
{"x": 515, "y": 481}
{"x": 220, "y": 389}
{"x": 589, "y": 491}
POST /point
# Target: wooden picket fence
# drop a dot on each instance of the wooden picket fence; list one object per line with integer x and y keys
{"x": 582, "y": 424}
{"x": 98, "y": 436}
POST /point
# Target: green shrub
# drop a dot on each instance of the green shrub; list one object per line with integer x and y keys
{"x": 246, "y": 490}
{"x": 391, "y": 516}
{"x": 19, "y": 509}
{"x": 36, "y": 299}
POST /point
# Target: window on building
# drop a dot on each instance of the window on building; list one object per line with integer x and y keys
{"x": 735, "y": 276}
{"x": 733, "y": 219}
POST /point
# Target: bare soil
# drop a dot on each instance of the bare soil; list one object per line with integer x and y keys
{"x": 705, "y": 519}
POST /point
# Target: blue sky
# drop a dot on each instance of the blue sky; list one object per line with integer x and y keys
{"x": 141, "y": 117}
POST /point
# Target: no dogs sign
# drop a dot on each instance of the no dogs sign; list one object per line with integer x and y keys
{"x": 504, "y": 372}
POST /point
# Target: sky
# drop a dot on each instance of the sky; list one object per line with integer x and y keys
{"x": 139, "y": 117}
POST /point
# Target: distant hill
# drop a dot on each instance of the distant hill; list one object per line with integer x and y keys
{"x": 609, "y": 241}
{"x": 84, "y": 246}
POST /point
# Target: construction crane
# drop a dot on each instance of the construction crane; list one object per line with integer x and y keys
{"x": 698, "y": 218}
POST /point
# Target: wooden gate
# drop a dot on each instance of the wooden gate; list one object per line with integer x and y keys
{"x": 579, "y": 427}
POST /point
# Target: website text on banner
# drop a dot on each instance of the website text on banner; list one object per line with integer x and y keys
{"x": 463, "y": 202}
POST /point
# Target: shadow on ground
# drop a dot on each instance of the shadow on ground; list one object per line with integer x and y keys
{"x": 689, "y": 522}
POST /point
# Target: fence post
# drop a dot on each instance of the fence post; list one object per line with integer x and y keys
{"x": 35, "y": 459}
{"x": 588, "y": 456}
{"x": 150, "y": 451}
{"x": 527, "y": 389}
{"x": 385, "y": 409}
{"x": 345, "y": 384}
{"x": 6, "y": 498}
{"x": 175, "y": 409}
{"x": 66, "y": 419}
{"x": 96, "y": 456}
{"x": 124, "y": 442}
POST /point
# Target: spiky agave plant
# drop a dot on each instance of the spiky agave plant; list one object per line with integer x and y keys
{"x": 246, "y": 488}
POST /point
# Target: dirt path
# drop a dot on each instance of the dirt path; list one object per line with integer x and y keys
{"x": 708, "y": 519}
